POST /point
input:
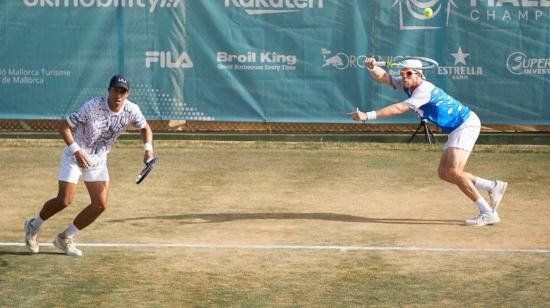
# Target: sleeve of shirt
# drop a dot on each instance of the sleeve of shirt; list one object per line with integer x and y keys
{"x": 396, "y": 82}
{"x": 421, "y": 96}
{"x": 79, "y": 116}
{"x": 138, "y": 120}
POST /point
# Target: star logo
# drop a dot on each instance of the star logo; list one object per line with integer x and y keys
{"x": 460, "y": 57}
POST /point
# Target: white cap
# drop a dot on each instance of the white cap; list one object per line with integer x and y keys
{"x": 412, "y": 63}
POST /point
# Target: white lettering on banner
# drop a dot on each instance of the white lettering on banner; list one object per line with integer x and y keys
{"x": 507, "y": 15}
{"x": 342, "y": 61}
{"x": 509, "y": 10}
{"x": 259, "y": 7}
{"x": 462, "y": 72}
{"x": 225, "y": 57}
{"x": 459, "y": 72}
{"x": 31, "y": 76}
{"x": 273, "y": 57}
{"x": 506, "y": 11}
{"x": 153, "y": 5}
{"x": 263, "y": 61}
{"x": 516, "y": 3}
{"x": 27, "y": 80}
{"x": 166, "y": 59}
{"x": 23, "y": 72}
{"x": 518, "y": 63}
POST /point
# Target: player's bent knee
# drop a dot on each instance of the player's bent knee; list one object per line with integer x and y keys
{"x": 64, "y": 201}
{"x": 100, "y": 206}
{"x": 442, "y": 173}
{"x": 454, "y": 175}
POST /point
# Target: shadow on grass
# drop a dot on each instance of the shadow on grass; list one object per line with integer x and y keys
{"x": 27, "y": 253}
{"x": 15, "y": 253}
{"x": 227, "y": 217}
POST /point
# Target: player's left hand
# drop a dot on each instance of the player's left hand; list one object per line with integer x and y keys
{"x": 147, "y": 156}
{"x": 358, "y": 115}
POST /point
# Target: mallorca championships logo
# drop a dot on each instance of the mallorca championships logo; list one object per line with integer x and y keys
{"x": 411, "y": 17}
{"x": 510, "y": 10}
{"x": 261, "y": 7}
{"x": 152, "y": 5}
{"x": 519, "y": 63}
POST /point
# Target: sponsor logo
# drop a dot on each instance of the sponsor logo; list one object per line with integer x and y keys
{"x": 151, "y": 5}
{"x": 260, "y": 61}
{"x": 342, "y": 61}
{"x": 460, "y": 70}
{"x": 345, "y": 61}
{"x": 509, "y": 10}
{"x": 261, "y": 7}
{"x": 519, "y": 63}
{"x": 167, "y": 59}
{"x": 411, "y": 17}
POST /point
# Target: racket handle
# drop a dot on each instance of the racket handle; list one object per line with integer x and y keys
{"x": 380, "y": 63}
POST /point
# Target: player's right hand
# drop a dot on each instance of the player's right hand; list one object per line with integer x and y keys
{"x": 148, "y": 156}
{"x": 82, "y": 159}
{"x": 370, "y": 63}
{"x": 358, "y": 115}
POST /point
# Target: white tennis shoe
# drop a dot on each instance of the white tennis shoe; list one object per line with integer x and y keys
{"x": 67, "y": 245}
{"x": 31, "y": 237}
{"x": 483, "y": 219}
{"x": 497, "y": 193}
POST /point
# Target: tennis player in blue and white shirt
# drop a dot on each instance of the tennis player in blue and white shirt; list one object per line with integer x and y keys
{"x": 97, "y": 125}
{"x": 455, "y": 119}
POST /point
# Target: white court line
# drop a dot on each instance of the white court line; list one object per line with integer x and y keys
{"x": 295, "y": 247}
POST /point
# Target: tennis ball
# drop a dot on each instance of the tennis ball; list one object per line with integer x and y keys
{"x": 428, "y": 12}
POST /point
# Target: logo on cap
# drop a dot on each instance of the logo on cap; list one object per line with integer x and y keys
{"x": 119, "y": 81}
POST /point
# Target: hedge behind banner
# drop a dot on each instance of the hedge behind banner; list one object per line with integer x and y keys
{"x": 271, "y": 60}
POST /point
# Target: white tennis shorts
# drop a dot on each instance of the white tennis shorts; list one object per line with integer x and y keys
{"x": 70, "y": 172}
{"x": 465, "y": 136}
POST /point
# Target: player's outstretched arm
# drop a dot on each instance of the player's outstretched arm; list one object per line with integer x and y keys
{"x": 378, "y": 73}
{"x": 147, "y": 138}
{"x": 386, "y": 112}
{"x": 392, "y": 110}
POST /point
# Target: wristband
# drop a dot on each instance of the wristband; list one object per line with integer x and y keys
{"x": 74, "y": 147}
{"x": 371, "y": 115}
{"x": 148, "y": 147}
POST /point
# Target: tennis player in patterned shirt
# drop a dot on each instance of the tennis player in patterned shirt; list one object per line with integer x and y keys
{"x": 455, "y": 119}
{"x": 96, "y": 124}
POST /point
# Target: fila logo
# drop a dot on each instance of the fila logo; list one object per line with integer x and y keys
{"x": 166, "y": 59}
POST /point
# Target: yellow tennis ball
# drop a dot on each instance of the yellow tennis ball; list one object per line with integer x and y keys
{"x": 428, "y": 12}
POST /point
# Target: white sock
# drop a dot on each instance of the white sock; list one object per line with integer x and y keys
{"x": 37, "y": 222}
{"x": 71, "y": 231}
{"x": 485, "y": 184}
{"x": 483, "y": 206}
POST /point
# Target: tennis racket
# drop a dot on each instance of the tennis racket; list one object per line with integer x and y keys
{"x": 146, "y": 170}
{"x": 397, "y": 63}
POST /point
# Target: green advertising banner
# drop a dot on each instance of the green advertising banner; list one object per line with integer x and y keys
{"x": 271, "y": 60}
